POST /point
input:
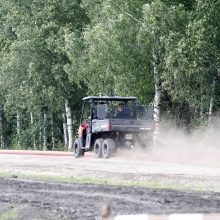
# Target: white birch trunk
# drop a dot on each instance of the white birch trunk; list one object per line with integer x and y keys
{"x": 18, "y": 127}
{"x": 40, "y": 140}
{"x": 1, "y": 127}
{"x": 64, "y": 130}
{"x": 69, "y": 124}
{"x": 202, "y": 110}
{"x": 32, "y": 125}
{"x": 52, "y": 134}
{"x": 45, "y": 133}
{"x": 157, "y": 97}
{"x": 211, "y": 104}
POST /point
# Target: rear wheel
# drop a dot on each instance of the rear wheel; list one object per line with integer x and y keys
{"x": 78, "y": 152}
{"x": 108, "y": 148}
{"x": 98, "y": 147}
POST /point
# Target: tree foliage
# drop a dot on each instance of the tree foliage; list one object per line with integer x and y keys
{"x": 57, "y": 50}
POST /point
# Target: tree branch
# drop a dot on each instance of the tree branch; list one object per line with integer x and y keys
{"x": 127, "y": 13}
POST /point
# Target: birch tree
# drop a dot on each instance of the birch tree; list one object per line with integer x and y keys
{"x": 1, "y": 127}
{"x": 33, "y": 65}
{"x": 65, "y": 137}
{"x": 110, "y": 61}
{"x": 69, "y": 124}
{"x": 192, "y": 60}
{"x": 158, "y": 21}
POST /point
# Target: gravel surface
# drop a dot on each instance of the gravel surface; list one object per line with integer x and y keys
{"x": 31, "y": 199}
{"x": 41, "y": 200}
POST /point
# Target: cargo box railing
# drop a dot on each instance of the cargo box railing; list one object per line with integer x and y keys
{"x": 137, "y": 112}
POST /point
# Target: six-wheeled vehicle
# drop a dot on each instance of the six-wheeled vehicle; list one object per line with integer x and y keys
{"x": 109, "y": 123}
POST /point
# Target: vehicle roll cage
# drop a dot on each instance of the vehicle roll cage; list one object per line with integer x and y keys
{"x": 91, "y": 100}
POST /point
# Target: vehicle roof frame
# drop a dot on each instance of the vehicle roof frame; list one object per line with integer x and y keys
{"x": 110, "y": 98}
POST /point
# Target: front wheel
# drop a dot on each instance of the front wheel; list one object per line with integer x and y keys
{"x": 78, "y": 152}
{"x": 108, "y": 148}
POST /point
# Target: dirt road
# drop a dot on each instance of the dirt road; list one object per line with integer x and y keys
{"x": 40, "y": 200}
{"x": 185, "y": 175}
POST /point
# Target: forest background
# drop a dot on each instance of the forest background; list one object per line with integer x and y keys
{"x": 55, "y": 52}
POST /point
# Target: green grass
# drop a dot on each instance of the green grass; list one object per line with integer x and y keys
{"x": 9, "y": 215}
{"x": 97, "y": 181}
{"x": 87, "y": 180}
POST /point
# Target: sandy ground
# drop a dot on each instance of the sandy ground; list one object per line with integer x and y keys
{"x": 190, "y": 175}
{"x": 40, "y": 200}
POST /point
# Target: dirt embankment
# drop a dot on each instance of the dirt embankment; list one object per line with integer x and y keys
{"x": 40, "y": 200}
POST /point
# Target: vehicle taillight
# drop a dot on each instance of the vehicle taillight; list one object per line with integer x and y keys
{"x": 109, "y": 126}
{"x": 82, "y": 128}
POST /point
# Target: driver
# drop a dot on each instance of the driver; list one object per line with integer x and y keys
{"x": 122, "y": 111}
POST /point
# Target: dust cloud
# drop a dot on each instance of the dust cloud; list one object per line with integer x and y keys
{"x": 200, "y": 146}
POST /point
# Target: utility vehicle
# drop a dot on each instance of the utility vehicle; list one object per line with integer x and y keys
{"x": 112, "y": 122}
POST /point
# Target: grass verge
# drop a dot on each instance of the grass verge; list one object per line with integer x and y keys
{"x": 9, "y": 215}
{"x": 97, "y": 181}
